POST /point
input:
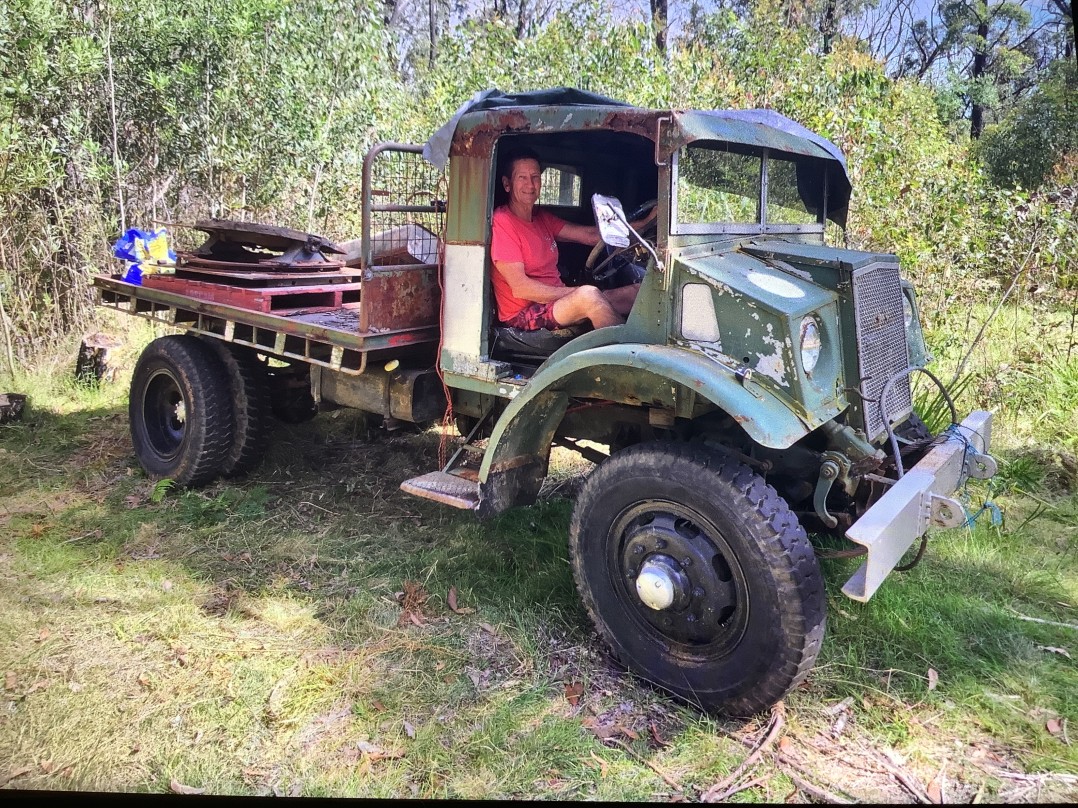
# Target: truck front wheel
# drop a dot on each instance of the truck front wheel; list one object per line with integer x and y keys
{"x": 181, "y": 424}
{"x": 697, "y": 576}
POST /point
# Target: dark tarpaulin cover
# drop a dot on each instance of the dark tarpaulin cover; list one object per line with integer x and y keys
{"x": 436, "y": 150}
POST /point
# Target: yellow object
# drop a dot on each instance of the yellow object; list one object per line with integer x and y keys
{"x": 392, "y": 365}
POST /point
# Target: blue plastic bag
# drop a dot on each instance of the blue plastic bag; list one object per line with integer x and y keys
{"x": 144, "y": 252}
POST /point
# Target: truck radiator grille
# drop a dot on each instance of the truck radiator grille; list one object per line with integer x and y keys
{"x": 881, "y": 343}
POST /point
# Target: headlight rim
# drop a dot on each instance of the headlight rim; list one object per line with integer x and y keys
{"x": 810, "y": 353}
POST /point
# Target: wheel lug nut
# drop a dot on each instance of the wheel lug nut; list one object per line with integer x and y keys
{"x": 697, "y": 592}
{"x": 633, "y": 573}
{"x": 667, "y": 621}
{"x": 638, "y": 550}
{"x": 691, "y": 618}
{"x": 661, "y": 544}
{"x": 686, "y": 562}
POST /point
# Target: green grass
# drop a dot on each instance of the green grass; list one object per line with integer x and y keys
{"x": 247, "y": 638}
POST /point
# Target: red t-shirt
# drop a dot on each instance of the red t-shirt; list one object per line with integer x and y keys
{"x": 533, "y": 244}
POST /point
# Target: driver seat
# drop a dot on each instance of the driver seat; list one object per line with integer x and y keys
{"x": 516, "y": 344}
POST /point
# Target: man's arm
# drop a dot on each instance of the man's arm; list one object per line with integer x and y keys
{"x": 589, "y": 234}
{"x": 528, "y": 288}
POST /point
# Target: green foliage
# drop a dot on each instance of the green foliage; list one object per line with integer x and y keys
{"x": 263, "y": 109}
{"x": 1024, "y": 149}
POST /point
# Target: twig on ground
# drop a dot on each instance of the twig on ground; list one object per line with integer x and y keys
{"x": 778, "y": 721}
{"x": 910, "y": 784}
{"x": 670, "y": 781}
{"x": 816, "y": 791}
{"x": 1043, "y": 777}
{"x": 784, "y": 763}
{"x": 735, "y": 789}
{"x": 1021, "y": 616}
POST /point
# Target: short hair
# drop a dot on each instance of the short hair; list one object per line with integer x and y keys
{"x": 513, "y": 156}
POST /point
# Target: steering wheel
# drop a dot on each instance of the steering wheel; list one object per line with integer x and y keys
{"x": 607, "y": 267}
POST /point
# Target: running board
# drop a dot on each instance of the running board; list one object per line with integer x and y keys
{"x": 446, "y": 488}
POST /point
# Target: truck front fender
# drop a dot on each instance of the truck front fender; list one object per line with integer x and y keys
{"x": 648, "y": 374}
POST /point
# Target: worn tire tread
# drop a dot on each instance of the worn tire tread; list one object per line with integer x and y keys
{"x": 781, "y": 538}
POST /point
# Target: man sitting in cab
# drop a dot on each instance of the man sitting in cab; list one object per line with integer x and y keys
{"x": 528, "y": 289}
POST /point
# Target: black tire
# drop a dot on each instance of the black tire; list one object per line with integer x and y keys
{"x": 748, "y": 611}
{"x": 180, "y": 413}
{"x": 250, "y": 399}
{"x": 291, "y": 400}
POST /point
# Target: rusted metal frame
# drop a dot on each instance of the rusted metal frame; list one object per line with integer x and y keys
{"x": 341, "y": 345}
{"x": 358, "y": 341}
{"x": 364, "y": 303}
{"x": 168, "y": 315}
{"x": 761, "y": 203}
{"x": 368, "y": 177}
{"x": 405, "y": 209}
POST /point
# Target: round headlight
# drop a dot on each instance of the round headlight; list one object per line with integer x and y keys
{"x": 907, "y": 311}
{"x": 811, "y": 343}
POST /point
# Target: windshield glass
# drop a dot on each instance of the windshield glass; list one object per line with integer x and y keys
{"x": 723, "y": 184}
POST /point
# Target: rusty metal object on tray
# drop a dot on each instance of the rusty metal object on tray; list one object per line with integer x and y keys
{"x": 233, "y": 244}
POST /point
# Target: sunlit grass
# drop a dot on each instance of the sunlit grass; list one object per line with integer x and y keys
{"x": 248, "y": 638}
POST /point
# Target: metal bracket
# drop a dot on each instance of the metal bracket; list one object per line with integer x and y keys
{"x": 828, "y": 474}
{"x": 945, "y": 512}
{"x": 980, "y": 466}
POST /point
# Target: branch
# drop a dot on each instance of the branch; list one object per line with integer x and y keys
{"x": 718, "y": 792}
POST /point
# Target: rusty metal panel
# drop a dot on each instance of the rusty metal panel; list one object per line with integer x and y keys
{"x": 401, "y": 298}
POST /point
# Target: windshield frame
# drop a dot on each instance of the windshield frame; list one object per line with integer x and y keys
{"x": 761, "y": 225}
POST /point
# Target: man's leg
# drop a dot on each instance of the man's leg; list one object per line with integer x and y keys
{"x": 586, "y": 303}
{"x": 622, "y": 298}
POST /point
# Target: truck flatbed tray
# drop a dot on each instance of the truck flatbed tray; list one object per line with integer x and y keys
{"x": 328, "y": 336}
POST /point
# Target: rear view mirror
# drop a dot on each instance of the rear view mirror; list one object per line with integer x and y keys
{"x": 610, "y": 219}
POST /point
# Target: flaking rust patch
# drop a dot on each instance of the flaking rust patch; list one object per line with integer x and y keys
{"x": 772, "y": 365}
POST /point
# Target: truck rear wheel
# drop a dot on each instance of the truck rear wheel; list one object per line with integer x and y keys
{"x": 250, "y": 406}
{"x": 179, "y": 409}
{"x": 698, "y": 576}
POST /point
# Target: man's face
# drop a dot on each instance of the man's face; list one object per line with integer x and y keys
{"x": 524, "y": 181}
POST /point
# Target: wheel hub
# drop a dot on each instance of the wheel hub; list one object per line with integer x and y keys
{"x": 679, "y": 578}
{"x": 661, "y": 584}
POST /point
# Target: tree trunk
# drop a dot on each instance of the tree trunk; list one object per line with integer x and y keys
{"x": 659, "y": 16}
{"x": 92, "y": 366}
{"x": 980, "y": 60}
{"x": 828, "y": 25}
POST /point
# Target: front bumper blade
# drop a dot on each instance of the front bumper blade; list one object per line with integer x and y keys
{"x": 919, "y": 500}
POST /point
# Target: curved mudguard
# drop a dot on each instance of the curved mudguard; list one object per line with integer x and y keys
{"x": 516, "y": 457}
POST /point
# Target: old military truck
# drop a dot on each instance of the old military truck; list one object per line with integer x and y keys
{"x": 761, "y": 384}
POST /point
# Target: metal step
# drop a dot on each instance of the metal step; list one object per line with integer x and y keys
{"x": 448, "y": 489}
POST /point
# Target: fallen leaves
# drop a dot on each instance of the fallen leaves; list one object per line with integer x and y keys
{"x": 1051, "y": 649}
{"x": 373, "y": 753}
{"x": 933, "y": 678}
{"x": 11, "y": 680}
{"x": 19, "y": 772}
{"x": 573, "y": 692}
{"x": 176, "y": 787}
{"x": 1057, "y": 728}
{"x": 412, "y": 600}
{"x": 452, "y": 601}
